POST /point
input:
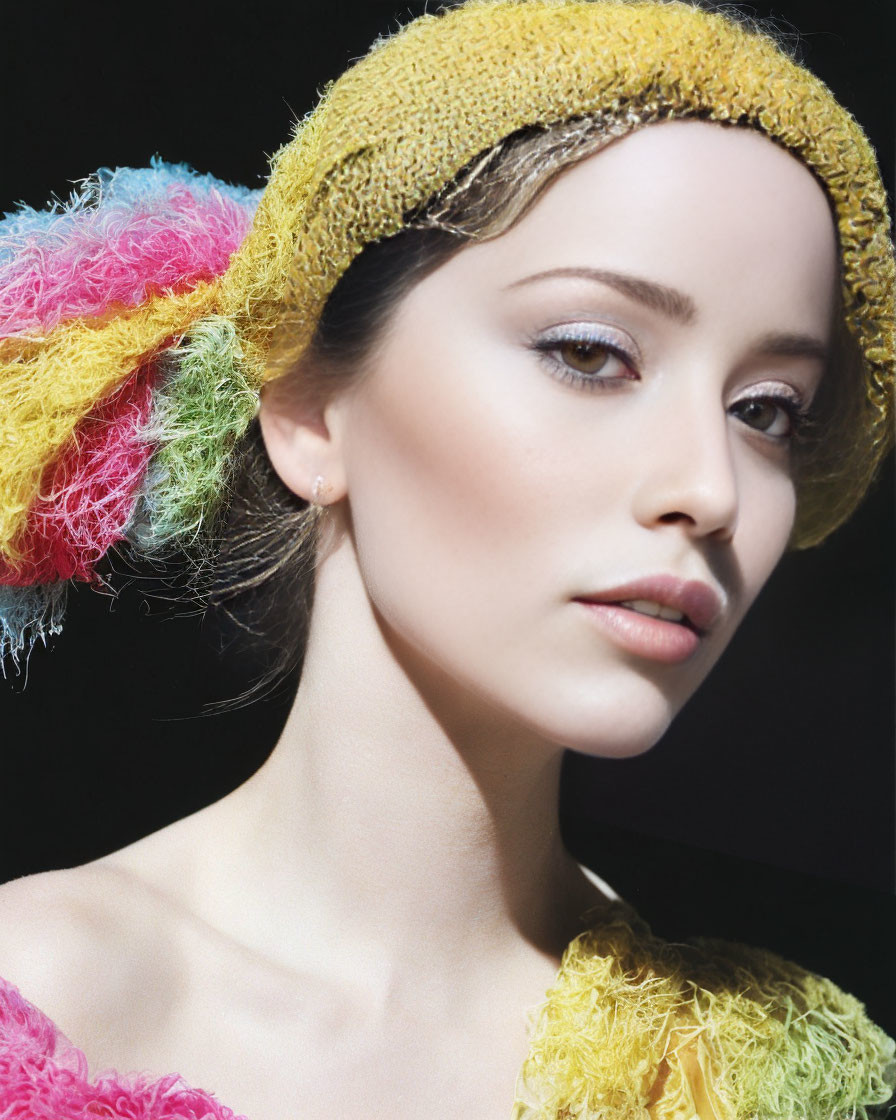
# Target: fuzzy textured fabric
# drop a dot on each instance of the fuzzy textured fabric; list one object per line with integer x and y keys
{"x": 205, "y": 406}
{"x": 44, "y": 1077}
{"x": 633, "y": 1029}
{"x": 639, "y": 1029}
{"x": 401, "y": 123}
{"x": 219, "y": 288}
{"x": 150, "y": 240}
{"x": 29, "y": 615}
{"x": 89, "y": 496}
{"x": 126, "y": 235}
{"x": 85, "y": 362}
{"x": 130, "y": 239}
{"x": 89, "y": 493}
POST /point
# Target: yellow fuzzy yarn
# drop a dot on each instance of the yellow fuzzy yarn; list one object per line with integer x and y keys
{"x": 639, "y": 1029}
{"x": 399, "y": 124}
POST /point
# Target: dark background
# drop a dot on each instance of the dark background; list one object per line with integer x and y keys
{"x": 766, "y": 813}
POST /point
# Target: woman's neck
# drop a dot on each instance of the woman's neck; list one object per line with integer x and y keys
{"x": 397, "y": 817}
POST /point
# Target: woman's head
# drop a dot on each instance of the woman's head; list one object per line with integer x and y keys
{"x": 599, "y": 403}
{"x": 441, "y": 94}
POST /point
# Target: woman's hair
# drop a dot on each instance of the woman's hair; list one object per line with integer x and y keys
{"x": 265, "y": 569}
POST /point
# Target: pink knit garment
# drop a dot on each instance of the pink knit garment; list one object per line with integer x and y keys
{"x": 44, "y": 1077}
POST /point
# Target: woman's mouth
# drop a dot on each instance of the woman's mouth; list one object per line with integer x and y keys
{"x": 645, "y": 635}
{"x": 661, "y": 618}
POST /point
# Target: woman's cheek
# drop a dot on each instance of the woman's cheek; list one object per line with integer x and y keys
{"x": 441, "y": 468}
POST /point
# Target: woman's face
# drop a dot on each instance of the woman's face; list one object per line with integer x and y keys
{"x": 587, "y": 421}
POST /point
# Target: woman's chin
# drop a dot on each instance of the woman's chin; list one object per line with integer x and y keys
{"x": 615, "y": 742}
{"x": 627, "y": 727}
{"x": 613, "y": 713}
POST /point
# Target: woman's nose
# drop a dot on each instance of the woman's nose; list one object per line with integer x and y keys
{"x": 690, "y": 477}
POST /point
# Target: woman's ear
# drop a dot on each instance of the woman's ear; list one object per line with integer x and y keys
{"x": 303, "y": 441}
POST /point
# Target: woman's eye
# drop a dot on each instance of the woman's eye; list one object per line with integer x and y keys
{"x": 774, "y": 417}
{"x": 585, "y": 357}
{"x": 592, "y": 363}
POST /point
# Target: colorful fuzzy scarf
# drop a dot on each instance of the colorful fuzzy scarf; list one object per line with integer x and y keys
{"x": 149, "y": 415}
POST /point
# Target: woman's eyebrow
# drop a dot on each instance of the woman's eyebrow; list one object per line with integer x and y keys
{"x": 788, "y": 344}
{"x": 680, "y": 307}
{"x": 669, "y": 302}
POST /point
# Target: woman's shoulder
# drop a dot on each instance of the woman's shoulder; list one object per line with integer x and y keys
{"x": 705, "y": 1027}
{"x": 79, "y": 943}
{"x": 72, "y": 956}
{"x": 113, "y": 923}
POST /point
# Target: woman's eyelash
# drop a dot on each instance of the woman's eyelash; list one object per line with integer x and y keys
{"x": 797, "y": 412}
{"x": 549, "y": 348}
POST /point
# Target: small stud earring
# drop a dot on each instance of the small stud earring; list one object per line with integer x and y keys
{"x": 317, "y": 491}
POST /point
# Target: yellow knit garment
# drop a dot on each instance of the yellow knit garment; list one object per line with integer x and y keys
{"x": 397, "y": 126}
{"x": 640, "y": 1029}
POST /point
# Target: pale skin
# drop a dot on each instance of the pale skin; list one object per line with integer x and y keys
{"x": 361, "y": 928}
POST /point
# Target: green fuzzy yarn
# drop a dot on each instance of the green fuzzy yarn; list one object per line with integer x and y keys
{"x": 205, "y": 405}
{"x": 800, "y": 1048}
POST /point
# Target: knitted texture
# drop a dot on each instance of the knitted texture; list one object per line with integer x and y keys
{"x": 633, "y": 1029}
{"x": 639, "y": 1029}
{"x": 402, "y": 122}
{"x": 92, "y": 293}
{"x": 154, "y": 269}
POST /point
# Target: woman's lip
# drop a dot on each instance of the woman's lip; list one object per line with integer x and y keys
{"x": 697, "y": 601}
{"x": 653, "y": 638}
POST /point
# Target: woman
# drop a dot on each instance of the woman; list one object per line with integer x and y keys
{"x": 544, "y": 447}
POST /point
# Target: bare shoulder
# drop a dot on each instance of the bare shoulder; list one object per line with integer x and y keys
{"x": 82, "y": 943}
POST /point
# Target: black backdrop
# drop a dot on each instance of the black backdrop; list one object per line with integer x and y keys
{"x": 766, "y": 813}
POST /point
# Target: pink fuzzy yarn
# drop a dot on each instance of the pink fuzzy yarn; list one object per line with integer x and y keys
{"x": 76, "y": 263}
{"x": 44, "y": 1077}
{"x": 90, "y": 491}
